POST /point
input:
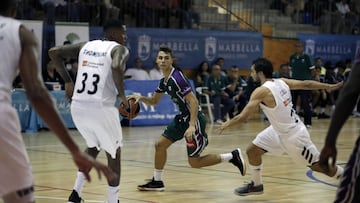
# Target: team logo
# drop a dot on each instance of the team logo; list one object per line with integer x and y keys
{"x": 310, "y": 47}
{"x": 144, "y": 47}
{"x": 210, "y": 48}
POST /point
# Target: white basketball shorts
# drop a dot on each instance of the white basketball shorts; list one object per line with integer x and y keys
{"x": 99, "y": 126}
{"x": 297, "y": 145}
{"x": 15, "y": 169}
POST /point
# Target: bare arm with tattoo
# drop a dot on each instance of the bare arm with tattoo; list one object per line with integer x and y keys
{"x": 120, "y": 55}
{"x": 58, "y": 55}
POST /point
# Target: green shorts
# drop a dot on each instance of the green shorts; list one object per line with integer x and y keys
{"x": 176, "y": 129}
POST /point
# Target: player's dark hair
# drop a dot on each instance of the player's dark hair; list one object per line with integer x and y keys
{"x": 265, "y": 66}
{"x": 112, "y": 23}
{"x": 167, "y": 50}
{"x": 6, "y": 5}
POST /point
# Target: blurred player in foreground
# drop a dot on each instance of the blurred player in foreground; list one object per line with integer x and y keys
{"x": 18, "y": 53}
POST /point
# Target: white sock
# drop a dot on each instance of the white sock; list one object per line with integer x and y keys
{"x": 79, "y": 182}
{"x": 158, "y": 174}
{"x": 339, "y": 172}
{"x": 256, "y": 174}
{"x": 226, "y": 157}
{"x": 113, "y": 194}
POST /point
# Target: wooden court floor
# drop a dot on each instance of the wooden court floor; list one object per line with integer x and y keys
{"x": 284, "y": 181}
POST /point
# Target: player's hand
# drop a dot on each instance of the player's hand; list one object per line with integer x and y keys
{"x": 85, "y": 163}
{"x": 328, "y": 157}
{"x": 69, "y": 89}
{"x": 134, "y": 96}
{"x": 190, "y": 133}
{"x": 223, "y": 127}
{"x": 335, "y": 86}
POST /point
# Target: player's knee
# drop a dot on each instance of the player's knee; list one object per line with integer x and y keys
{"x": 160, "y": 146}
{"x": 253, "y": 151}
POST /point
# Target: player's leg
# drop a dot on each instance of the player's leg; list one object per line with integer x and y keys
{"x": 16, "y": 179}
{"x": 200, "y": 141}
{"x": 348, "y": 190}
{"x": 83, "y": 120}
{"x": 161, "y": 146}
{"x": 266, "y": 141}
{"x": 301, "y": 149}
{"x": 115, "y": 165}
{"x": 25, "y": 195}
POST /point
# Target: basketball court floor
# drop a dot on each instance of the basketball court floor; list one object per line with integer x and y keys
{"x": 284, "y": 181}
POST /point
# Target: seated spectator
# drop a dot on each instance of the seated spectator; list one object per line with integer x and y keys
{"x": 235, "y": 90}
{"x": 52, "y": 79}
{"x": 51, "y": 7}
{"x": 137, "y": 72}
{"x": 155, "y": 73}
{"x": 203, "y": 71}
{"x": 284, "y": 71}
{"x": 346, "y": 19}
{"x": 215, "y": 86}
{"x": 348, "y": 65}
{"x": 188, "y": 15}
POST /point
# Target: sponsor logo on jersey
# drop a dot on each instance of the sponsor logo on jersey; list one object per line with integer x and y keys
{"x": 84, "y": 63}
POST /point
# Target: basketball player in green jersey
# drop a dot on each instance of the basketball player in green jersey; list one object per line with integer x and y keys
{"x": 190, "y": 123}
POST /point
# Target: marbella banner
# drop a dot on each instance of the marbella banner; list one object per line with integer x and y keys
{"x": 37, "y": 28}
{"x": 71, "y": 32}
{"x": 191, "y": 47}
{"x": 330, "y": 47}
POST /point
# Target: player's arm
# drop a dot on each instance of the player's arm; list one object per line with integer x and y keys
{"x": 44, "y": 105}
{"x": 120, "y": 55}
{"x": 255, "y": 99}
{"x": 345, "y": 104}
{"x": 153, "y": 100}
{"x": 193, "y": 103}
{"x": 310, "y": 85}
{"x": 58, "y": 55}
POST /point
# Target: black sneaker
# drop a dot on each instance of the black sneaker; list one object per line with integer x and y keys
{"x": 74, "y": 197}
{"x": 249, "y": 189}
{"x": 238, "y": 161}
{"x": 152, "y": 186}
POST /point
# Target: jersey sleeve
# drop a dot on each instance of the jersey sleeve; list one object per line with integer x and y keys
{"x": 183, "y": 83}
{"x": 161, "y": 87}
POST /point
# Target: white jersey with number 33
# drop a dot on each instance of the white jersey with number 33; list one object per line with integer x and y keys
{"x": 282, "y": 117}
{"x": 94, "y": 81}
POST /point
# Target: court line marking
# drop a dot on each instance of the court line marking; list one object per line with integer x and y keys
{"x": 310, "y": 175}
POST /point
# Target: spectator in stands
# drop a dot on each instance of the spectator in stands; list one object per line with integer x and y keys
{"x": 71, "y": 64}
{"x": 235, "y": 90}
{"x": 203, "y": 72}
{"x": 221, "y": 62}
{"x": 215, "y": 86}
{"x": 339, "y": 71}
{"x": 300, "y": 64}
{"x": 152, "y": 11}
{"x": 52, "y": 6}
{"x": 137, "y": 72}
{"x": 155, "y": 73}
{"x": 345, "y": 20}
{"x": 284, "y": 71}
{"x": 348, "y": 65}
{"x": 188, "y": 15}
{"x": 52, "y": 79}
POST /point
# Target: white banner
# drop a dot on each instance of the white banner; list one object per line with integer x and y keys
{"x": 73, "y": 33}
{"x": 37, "y": 28}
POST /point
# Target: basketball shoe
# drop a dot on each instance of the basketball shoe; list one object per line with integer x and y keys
{"x": 238, "y": 161}
{"x": 75, "y": 198}
{"x": 152, "y": 185}
{"x": 249, "y": 189}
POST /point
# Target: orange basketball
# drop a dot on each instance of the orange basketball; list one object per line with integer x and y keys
{"x": 132, "y": 111}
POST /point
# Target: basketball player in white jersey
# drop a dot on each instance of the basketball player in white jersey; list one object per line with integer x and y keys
{"x": 18, "y": 55}
{"x": 286, "y": 133}
{"x": 98, "y": 83}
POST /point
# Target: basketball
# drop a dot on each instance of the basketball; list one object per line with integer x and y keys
{"x": 132, "y": 111}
